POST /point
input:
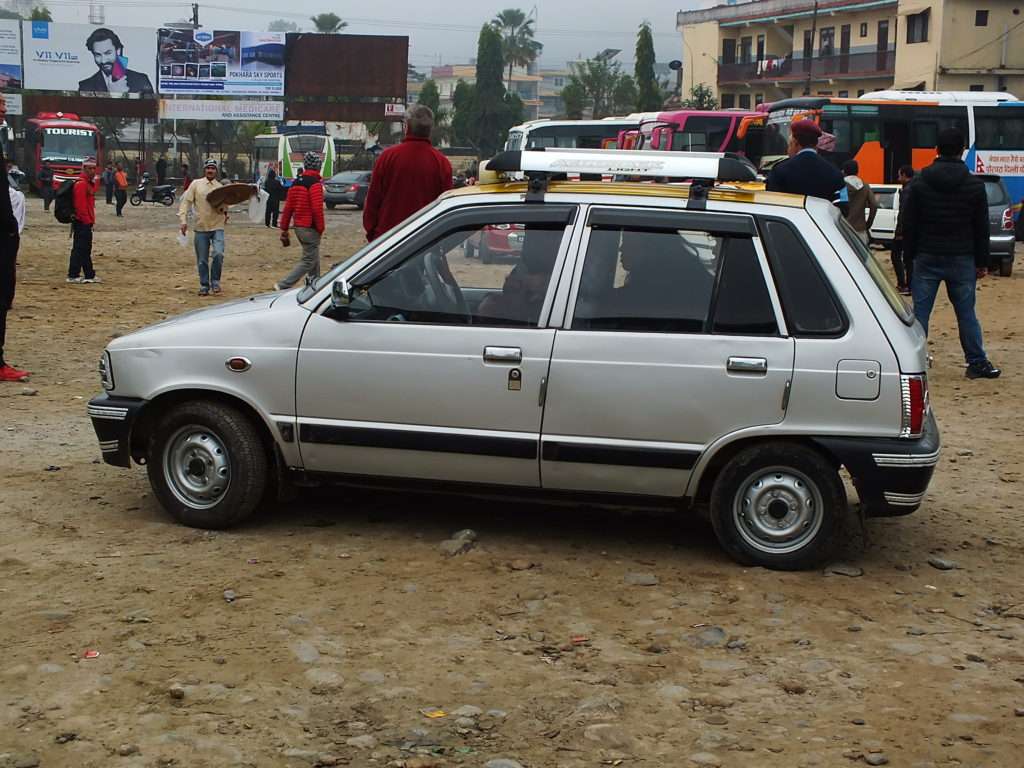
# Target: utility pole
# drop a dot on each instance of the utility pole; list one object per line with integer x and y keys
{"x": 814, "y": 34}
{"x": 195, "y": 14}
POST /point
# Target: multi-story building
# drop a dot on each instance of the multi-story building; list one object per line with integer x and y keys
{"x": 551, "y": 85}
{"x": 771, "y": 49}
{"x": 524, "y": 84}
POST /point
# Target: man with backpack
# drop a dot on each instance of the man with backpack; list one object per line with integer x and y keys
{"x": 82, "y": 218}
{"x": 304, "y": 204}
{"x": 45, "y": 177}
{"x": 275, "y": 192}
{"x": 862, "y": 205}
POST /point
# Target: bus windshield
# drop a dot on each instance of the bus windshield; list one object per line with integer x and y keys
{"x": 514, "y": 142}
{"x": 776, "y": 134}
{"x": 70, "y": 145}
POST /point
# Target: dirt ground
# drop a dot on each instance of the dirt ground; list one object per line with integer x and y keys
{"x": 351, "y": 639}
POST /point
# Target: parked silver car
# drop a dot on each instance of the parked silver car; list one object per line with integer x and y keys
{"x": 724, "y": 350}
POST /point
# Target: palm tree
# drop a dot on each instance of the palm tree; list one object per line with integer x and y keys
{"x": 328, "y": 23}
{"x": 517, "y": 43}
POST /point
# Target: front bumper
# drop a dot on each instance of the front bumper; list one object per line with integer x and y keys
{"x": 891, "y": 474}
{"x": 113, "y": 418}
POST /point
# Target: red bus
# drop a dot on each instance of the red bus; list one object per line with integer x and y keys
{"x": 693, "y": 130}
{"x": 64, "y": 140}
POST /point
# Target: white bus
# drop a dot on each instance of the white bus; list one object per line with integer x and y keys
{"x": 287, "y": 150}
{"x": 569, "y": 134}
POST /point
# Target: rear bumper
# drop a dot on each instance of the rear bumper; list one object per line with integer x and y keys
{"x": 341, "y": 197}
{"x": 891, "y": 474}
{"x": 113, "y": 419}
{"x": 1001, "y": 245}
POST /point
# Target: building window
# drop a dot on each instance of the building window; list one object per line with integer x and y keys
{"x": 744, "y": 101}
{"x": 864, "y": 29}
{"x": 760, "y": 47}
{"x": 758, "y": 98}
{"x": 728, "y": 51}
{"x": 808, "y": 44}
{"x": 844, "y": 94}
{"x": 559, "y": 82}
{"x": 746, "y": 47}
{"x": 827, "y": 42}
{"x": 728, "y": 100}
{"x": 917, "y": 26}
{"x": 977, "y": 87}
{"x": 981, "y": 18}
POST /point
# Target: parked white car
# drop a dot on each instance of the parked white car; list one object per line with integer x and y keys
{"x": 883, "y": 230}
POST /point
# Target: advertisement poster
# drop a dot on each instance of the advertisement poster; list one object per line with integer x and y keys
{"x": 10, "y": 54}
{"x": 94, "y": 61}
{"x": 221, "y": 62}
{"x": 216, "y": 109}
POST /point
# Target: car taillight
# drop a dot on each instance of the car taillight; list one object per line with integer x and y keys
{"x": 1008, "y": 219}
{"x": 354, "y": 188}
{"x": 915, "y": 404}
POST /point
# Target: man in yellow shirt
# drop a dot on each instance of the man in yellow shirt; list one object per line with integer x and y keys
{"x": 209, "y": 227}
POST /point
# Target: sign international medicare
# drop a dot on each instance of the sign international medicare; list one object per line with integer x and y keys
{"x": 94, "y": 61}
{"x": 14, "y": 104}
{"x": 221, "y": 62}
{"x": 214, "y": 109}
{"x": 10, "y": 54}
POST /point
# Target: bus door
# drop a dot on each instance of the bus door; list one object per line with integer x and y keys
{"x": 897, "y": 141}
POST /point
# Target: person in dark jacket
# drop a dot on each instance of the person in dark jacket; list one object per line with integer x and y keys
{"x": 9, "y": 242}
{"x": 902, "y": 265}
{"x": 45, "y": 177}
{"x": 945, "y": 232}
{"x": 406, "y": 177}
{"x": 275, "y": 193}
{"x": 805, "y": 172}
{"x": 161, "y": 170}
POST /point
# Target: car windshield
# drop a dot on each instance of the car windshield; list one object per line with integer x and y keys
{"x": 875, "y": 270}
{"x": 347, "y": 178}
{"x": 996, "y": 192}
{"x": 885, "y": 199}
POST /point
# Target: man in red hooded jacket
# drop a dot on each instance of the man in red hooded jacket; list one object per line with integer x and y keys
{"x": 406, "y": 177}
{"x": 80, "y": 269}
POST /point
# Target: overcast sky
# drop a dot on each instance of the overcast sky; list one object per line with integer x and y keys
{"x": 439, "y": 31}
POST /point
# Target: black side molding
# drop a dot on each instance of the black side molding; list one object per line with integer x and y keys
{"x": 408, "y": 440}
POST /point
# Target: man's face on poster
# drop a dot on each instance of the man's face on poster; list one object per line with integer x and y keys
{"x": 105, "y": 55}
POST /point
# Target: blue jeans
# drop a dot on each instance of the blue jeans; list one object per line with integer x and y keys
{"x": 958, "y": 272}
{"x": 203, "y": 241}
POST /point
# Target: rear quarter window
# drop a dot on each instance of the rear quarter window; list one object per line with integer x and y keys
{"x": 996, "y": 192}
{"x": 892, "y": 297}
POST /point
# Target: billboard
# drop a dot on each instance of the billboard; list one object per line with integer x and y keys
{"x": 217, "y": 109}
{"x": 10, "y": 54}
{"x": 95, "y": 61}
{"x": 224, "y": 62}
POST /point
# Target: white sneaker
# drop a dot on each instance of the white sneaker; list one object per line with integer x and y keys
{"x": 92, "y": 279}
{"x": 73, "y": 280}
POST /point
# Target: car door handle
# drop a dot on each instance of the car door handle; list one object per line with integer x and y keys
{"x": 747, "y": 365}
{"x": 503, "y": 355}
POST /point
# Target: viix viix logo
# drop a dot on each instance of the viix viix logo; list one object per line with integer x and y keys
{"x": 57, "y": 57}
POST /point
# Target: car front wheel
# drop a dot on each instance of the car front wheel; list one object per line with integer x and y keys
{"x": 780, "y": 506}
{"x": 207, "y": 464}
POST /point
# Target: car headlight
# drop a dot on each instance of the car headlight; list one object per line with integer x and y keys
{"x": 106, "y": 372}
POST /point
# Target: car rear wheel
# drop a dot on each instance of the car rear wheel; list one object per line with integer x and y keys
{"x": 780, "y": 506}
{"x": 1006, "y": 266}
{"x": 330, "y": 206}
{"x": 207, "y": 464}
{"x": 486, "y": 257}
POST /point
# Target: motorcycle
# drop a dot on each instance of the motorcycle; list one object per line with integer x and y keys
{"x": 164, "y": 193}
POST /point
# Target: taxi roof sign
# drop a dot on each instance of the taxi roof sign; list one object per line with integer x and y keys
{"x": 712, "y": 166}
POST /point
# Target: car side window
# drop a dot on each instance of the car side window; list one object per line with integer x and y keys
{"x": 484, "y": 274}
{"x": 808, "y": 302}
{"x": 672, "y": 281}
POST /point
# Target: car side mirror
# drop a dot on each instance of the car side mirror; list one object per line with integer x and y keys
{"x": 341, "y": 298}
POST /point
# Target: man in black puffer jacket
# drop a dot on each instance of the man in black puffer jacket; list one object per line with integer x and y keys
{"x": 945, "y": 232}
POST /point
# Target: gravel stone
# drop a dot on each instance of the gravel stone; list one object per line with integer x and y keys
{"x": 641, "y": 579}
{"x": 942, "y": 563}
{"x": 709, "y": 637}
{"x": 705, "y": 759}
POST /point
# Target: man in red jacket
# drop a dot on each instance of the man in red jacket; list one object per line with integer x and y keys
{"x": 406, "y": 177}
{"x": 80, "y": 270}
{"x": 305, "y": 206}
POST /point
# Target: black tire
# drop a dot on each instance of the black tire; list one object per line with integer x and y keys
{"x": 330, "y": 206}
{"x": 792, "y": 473}
{"x": 1006, "y": 266}
{"x": 485, "y": 254}
{"x": 205, "y": 426}
{"x": 135, "y": 199}
{"x": 168, "y": 200}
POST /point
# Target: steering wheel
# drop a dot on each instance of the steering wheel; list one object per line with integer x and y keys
{"x": 442, "y": 283}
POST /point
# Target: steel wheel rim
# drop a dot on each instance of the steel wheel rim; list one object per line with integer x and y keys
{"x": 778, "y": 510}
{"x": 197, "y": 467}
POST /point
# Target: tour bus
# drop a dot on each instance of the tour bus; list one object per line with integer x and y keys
{"x": 694, "y": 130}
{"x": 569, "y": 134}
{"x": 287, "y": 150}
{"x": 887, "y": 129}
{"x": 62, "y": 139}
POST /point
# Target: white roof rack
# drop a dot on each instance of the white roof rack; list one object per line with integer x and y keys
{"x": 613, "y": 162}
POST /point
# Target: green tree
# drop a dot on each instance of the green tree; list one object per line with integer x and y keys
{"x": 517, "y": 44}
{"x": 463, "y": 102}
{"x": 648, "y": 98}
{"x": 41, "y": 13}
{"x": 599, "y": 78}
{"x": 490, "y": 110}
{"x": 282, "y": 25}
{"x": 574, "y": 97}
{"x": 624, "y": 95}
{"x": 328, "y": 23}
{"x": 701, "y": 97}
{"x": 430, "y": 96}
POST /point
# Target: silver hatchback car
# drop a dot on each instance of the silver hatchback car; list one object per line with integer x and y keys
{"x": 691, "y": 345}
